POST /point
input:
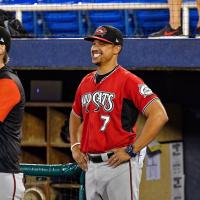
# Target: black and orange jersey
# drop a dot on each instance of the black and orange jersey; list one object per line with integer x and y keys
{"x": 12, "y": 102}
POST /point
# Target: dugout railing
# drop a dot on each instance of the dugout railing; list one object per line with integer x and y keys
{"x": 45, "y": 170}
{"x": 186, "y": 6}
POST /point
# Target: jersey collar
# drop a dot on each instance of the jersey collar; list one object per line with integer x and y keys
{"x": 105, "y": 75}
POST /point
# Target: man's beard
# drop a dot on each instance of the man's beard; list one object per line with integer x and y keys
{"x": 98, "y": 64}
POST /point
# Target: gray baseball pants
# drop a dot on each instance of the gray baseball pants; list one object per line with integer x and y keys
{"x": 121, "y": 183}
{"x": 11, "y": 186}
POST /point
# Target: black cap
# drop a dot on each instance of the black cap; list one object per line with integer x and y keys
{"x": 107, "y": 34}
{"x": 5, "y": 38}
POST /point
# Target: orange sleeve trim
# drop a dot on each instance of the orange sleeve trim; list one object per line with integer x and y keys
{"x": 9, "y": 97}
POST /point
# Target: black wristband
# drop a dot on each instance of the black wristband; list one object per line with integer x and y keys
{"x": 129, "y": 150}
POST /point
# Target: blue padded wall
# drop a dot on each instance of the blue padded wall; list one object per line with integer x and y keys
{"x": 75, "y": 53}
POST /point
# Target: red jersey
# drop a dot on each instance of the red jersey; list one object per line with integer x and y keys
{"x": 110, "y": 109}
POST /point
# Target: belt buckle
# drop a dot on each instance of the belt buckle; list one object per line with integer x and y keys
{"x": 104, "y": 157}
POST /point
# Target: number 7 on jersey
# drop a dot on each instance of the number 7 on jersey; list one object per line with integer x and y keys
{"x": 105, "y": 119}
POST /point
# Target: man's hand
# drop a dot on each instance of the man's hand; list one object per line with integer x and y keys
{"x": 120, "y": 156}
{"x": 80, "y": 157}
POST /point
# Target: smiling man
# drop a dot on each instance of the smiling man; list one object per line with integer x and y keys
{"x": 107, "y": 103}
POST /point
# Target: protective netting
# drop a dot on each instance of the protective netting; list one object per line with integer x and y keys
{"x": 77, "y": 18}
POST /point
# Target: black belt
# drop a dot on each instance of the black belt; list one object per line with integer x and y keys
{"x": 99, "y": 158}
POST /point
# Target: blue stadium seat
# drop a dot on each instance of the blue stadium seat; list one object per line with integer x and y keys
{"x": 193, "y": 18}
{"x": 153, "y": 20}
{"x": 68, "y": 23}
{"x": 31, "y": 23}
{"x": 193, "y": 21}
{"x": 19, "y": 1}
{"x": 106, "y": 1}
{"x": 149, "y": 21}
{"x": 28, "y": 22}
{"x": 63, "y": 23}
{"x": 58, "y": 1}
{"x": 118, "y": 18}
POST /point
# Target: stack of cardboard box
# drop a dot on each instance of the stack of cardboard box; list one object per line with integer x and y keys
{"x": 163, "y": 176}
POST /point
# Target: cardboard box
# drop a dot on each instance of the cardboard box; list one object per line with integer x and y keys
{"x": 169, "y": 168}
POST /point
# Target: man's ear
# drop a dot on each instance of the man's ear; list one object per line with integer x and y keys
{"x": 117, "y": 49}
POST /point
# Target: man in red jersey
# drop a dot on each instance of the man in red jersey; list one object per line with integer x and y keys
{"x": 12, "y": 102}
{"x": 107, "y": 103}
